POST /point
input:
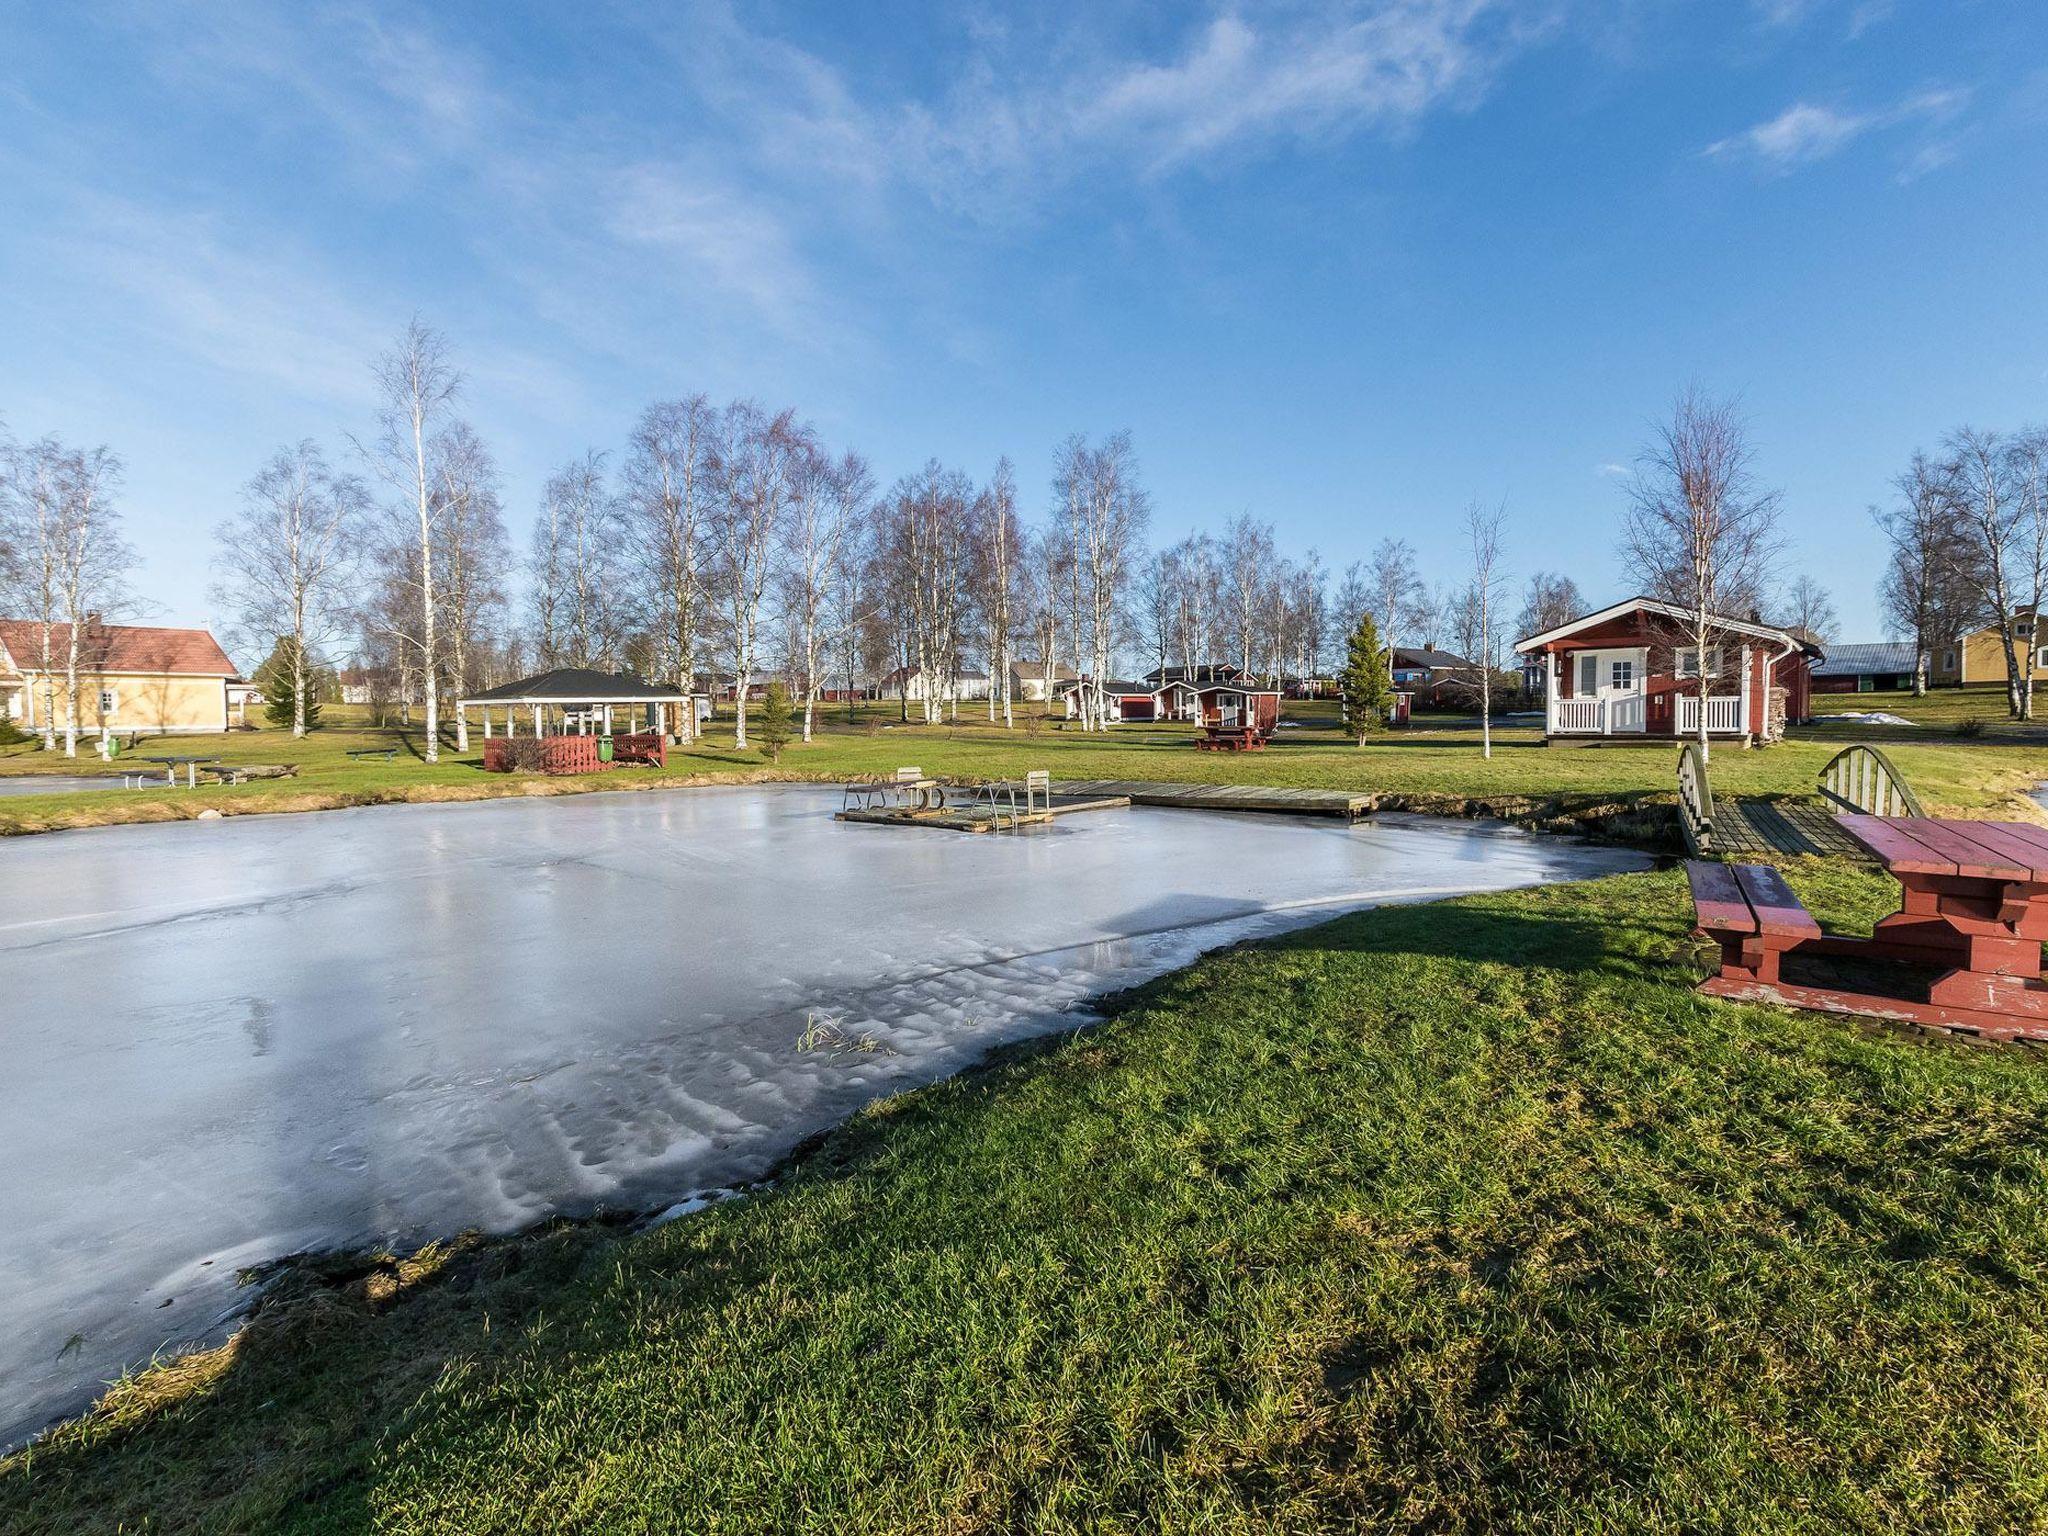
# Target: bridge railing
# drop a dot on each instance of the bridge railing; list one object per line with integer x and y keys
{"x": 1695, "y": 799}
{"x": 1863, "y": 779}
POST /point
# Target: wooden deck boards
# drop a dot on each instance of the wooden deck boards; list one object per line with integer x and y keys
{"x": 967, "y": 817}
{"x": 1781, "y": 826}
{"x": 1223, "y": 797}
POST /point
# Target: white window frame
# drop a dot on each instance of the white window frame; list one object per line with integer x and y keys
{"x": 1621, "y": 674}
{"x": 2041, "y": 656}
{"x": 110, "y": 701}
{"x": 1686, "y": 659}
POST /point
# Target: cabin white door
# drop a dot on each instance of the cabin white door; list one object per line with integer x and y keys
{"x": 1616, "y": 679}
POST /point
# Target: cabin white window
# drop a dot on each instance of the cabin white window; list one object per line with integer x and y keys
{"x": 1689, "y": 661}
{"x": 107, "y": 701}
{"x": 1589, "y": 674}
{"x": 1622, "y": 675}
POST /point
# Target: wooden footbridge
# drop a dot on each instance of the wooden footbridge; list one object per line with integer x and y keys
{"x": 1855, "y": 779}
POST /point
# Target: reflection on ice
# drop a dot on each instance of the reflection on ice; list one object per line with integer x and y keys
{"x": 231, "y": 1040}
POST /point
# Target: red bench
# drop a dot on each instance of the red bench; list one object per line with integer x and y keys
{"x": 1752, "y": 914}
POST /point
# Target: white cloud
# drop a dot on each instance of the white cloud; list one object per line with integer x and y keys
{"x": 1804, "y": 133}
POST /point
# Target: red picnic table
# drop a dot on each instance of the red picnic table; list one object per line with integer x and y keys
{"x": 1962, "y": 952}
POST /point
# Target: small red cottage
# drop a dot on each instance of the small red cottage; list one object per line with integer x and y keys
{"x": 1628, "y": 672}
{"x": 1236, "y": 717}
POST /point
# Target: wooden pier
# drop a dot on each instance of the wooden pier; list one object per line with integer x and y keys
{"x": 1223, "y": 797}
{"x": 966, "y": 817}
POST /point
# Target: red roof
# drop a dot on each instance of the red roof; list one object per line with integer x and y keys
{"x": 119, "y": 648}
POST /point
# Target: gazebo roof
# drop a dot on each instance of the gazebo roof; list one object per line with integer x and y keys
{"x": 578, "y": 685}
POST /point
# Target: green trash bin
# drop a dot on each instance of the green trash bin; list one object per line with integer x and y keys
{"x": 113, "y": 745}
{"x": 604, "y": 749}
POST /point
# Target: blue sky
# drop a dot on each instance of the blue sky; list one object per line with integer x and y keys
{"x": 1347, "y": 267}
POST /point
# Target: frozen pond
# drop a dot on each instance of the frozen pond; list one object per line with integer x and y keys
{"x": 53, "y": 783}
{"x": 226, "y": 1041}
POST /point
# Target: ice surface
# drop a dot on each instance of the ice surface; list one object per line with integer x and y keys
{"x": 54, "y": 783}
{"x": 231, "y": 1040}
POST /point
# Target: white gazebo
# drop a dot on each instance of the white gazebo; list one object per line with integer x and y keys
{"x": 585, "y": 701}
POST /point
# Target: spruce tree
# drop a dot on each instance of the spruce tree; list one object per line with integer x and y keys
{"x": 773, "y": 728}
{"x": 278, "y": 679}
{"x": 1368, "y": 691}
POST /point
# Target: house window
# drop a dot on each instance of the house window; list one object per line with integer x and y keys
{"x": 1589, "y": 675}
{"x": 107, "y": 701}
{"x": 1689, "y": 661}
{"x": 2023, "y": 628}
{"x": 1948, "y": 661}
{"x": 1622, "y": 675}
{"x": 2041, "y": 657}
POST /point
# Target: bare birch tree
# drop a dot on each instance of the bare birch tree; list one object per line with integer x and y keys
{"x": 36, "y": 519}
{"x": 416, "y": 383}
{"x": 827, "y": 499}
{"x": 1246, "y": 556}
{"x": 472, "y": 554}
{"x": 1485, "y": 530}
{"x": 1395, "y": 591}
{"x": 666, "y": 484}
{"x": 1700, "y": 529}
{"x": 757, "y": 458}
{"x": 287, "y": 562}
{"x": 1809, "y": 606}
{"x": 1000, "y": 553}
{"x": 1922, "y": 594}
{"x": 1990, "y": 515}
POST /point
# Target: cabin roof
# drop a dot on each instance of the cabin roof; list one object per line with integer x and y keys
{"x": 1851, "y": 660}
{"x": 577, "y": 685}
{"x": 1662, "y": 610}
{"x": 124, "y": 648}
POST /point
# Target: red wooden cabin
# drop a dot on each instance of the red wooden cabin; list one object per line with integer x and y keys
{"x": 1236, "y": 717}
{"x": 1626, "y": 673}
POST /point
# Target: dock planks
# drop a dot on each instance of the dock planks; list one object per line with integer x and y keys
{"x": 1223, "y": 797}
{"x": 981, "y": 818}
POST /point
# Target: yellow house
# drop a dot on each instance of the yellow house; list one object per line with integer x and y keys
{"x": 1979, "y": 657}
{"x": 131, "y": 677}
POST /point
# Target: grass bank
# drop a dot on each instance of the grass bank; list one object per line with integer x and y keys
{"x": 1435, "y": 767}
{"x": 1453, "y": 1218}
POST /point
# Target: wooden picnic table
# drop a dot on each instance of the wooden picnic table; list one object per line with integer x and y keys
{"x": 1974, "y": 899}
{"x": 1975, "y": 892}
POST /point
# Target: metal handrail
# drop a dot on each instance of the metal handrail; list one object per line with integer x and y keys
{"x": 1862, "y": 778}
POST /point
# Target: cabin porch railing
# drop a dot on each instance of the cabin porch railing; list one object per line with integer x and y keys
{"x": 1589, "y": 715}
{"x": 1727, "y": 714}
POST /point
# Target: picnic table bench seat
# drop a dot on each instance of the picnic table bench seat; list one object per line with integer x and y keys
{"x": 387, "y": 753}
{"x": 1751, "y": 913}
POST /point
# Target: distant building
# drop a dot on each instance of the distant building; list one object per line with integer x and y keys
{"x": 1029, "y": 680}
{"x": 131, "y": 678}
{"x": 1979, "y": 657}
{"x": 918, "y": 684}
{"x": 1436, "y": 678}
{"x": 1878, "y": 668}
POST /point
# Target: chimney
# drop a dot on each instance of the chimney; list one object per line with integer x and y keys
{"x": 92, "y": 619}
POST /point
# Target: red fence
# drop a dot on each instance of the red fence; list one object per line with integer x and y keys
{"x": 648, "y": 747}
{"x": 570, "y": 754}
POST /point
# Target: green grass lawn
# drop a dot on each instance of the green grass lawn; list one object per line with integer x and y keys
{"x": 1466, "y": 1217}
{"x": 1440, "y": 758}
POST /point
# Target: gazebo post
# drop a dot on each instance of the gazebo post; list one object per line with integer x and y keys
{"x": 537, "y": 731}
{"x": 607, "y": 719}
